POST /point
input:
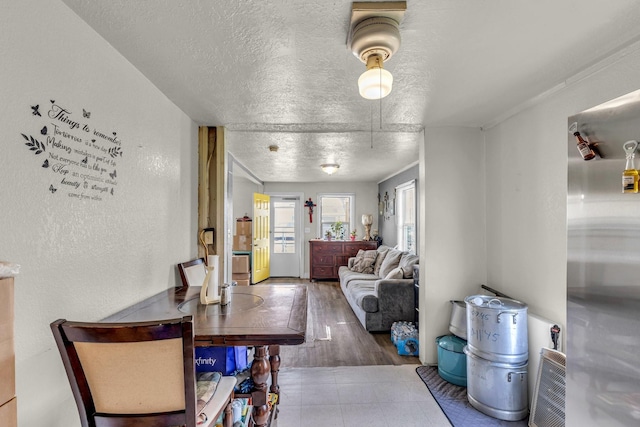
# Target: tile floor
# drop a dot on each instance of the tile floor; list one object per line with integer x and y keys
{"x": 349, "y": 396}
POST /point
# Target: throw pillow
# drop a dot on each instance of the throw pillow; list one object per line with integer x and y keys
{"x": 391, "y": 261}
{"x": 396, "y": 273}
{"x": 364, "y": 261}
{"x": 407, "y": 262}
{"x": 381, "y": 254}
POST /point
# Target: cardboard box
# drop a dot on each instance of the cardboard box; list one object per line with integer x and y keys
{"x": 240, "y": 264}
{"x": 244, "y": 282}
{"x": 244, "y": 228}
{"x": 241, "y": 243}
{"x": 221, "y": 359}
{"x": 7, "y": 354}
{"x": 241, "y": 277}
{"x": 9, "y": 414}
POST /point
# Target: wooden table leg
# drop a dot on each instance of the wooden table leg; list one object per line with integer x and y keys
{"x": 260, "y": 370}
{"x": 274, "y": 359}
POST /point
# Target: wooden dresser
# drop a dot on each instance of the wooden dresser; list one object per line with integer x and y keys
{"x": 8, "y": 406}
{"x": 325, "y": 257}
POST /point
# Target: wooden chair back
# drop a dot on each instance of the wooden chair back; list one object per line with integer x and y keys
{"x": 130, "y": 374}
{"x": 192, "y": 273}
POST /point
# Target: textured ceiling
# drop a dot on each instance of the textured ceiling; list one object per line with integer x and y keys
{"x": 279, "y": 72}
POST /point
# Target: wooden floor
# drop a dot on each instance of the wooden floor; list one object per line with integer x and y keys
{"x": 335, "y": 337}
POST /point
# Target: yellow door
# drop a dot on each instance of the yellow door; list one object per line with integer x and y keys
{"x": 260, "y": 255}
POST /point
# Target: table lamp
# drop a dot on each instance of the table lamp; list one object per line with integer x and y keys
{"x": 367, "y": 220}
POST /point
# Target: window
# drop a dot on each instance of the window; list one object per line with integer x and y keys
{"x": 336, "y": 207}
{"x": 406, "y": 216}
{"x": 284, "y": 230}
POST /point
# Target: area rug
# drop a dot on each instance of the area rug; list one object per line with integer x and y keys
{"x": 453, "y": 402}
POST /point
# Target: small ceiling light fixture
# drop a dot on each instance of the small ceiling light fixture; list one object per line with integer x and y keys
{"x": 376, "y": 82}
{"x": 374, "y": 38}
{"x": 329, "y": 168}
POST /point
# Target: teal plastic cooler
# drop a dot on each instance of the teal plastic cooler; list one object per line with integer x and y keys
{"x": 452, "y": 362}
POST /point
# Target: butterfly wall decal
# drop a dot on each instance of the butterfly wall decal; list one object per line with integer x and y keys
{"x": 52, "y": 189}
{"x": 85, "y": 160}
{"x": 36, "y": 110}
{"x": 86, "y": 114}
{"x": 46, "y": 163}
{"x": 43, "y": 131}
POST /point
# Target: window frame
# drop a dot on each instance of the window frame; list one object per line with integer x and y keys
{"x": 399, "y": 215}
{"x": 352, "y": 211}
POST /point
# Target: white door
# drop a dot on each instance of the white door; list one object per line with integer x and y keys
{"x": 285, "y": 236}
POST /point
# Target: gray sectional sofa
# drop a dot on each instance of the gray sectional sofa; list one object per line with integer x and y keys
{"x": 378, "y": 285}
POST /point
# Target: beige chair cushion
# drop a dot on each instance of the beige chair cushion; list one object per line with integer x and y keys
{"x": 195, "y": 274}
{"x": 120, "y": 386}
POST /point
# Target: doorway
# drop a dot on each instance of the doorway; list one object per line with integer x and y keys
{"x": 286, "y": 236}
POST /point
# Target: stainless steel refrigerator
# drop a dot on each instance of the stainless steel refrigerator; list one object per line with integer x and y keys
{"x": 603, "y": 271}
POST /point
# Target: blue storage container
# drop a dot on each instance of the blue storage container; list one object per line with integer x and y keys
{"x": 452, "y": 362}
{"x": 226, "y": 360}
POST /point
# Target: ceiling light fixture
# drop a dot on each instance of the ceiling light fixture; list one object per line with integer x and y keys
{"x": 374, "y": 38}
{"x": 376, "y": 82}
{"x": 329, "y": 168}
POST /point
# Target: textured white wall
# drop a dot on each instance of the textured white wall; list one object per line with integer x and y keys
{"x": 527, "y": 186}
{"x": 527, "y": 190}
{"x": 452, "y": 236}
{"x": 84, "y": 259}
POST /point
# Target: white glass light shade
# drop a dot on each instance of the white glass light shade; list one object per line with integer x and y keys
{"x": 330, "y": 168}
{"x": 375, "y": 83}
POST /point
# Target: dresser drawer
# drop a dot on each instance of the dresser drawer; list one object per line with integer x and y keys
{"x": 352, "y": 250}
{"x": 320, "y": 272}
{"x": 319, "y": 259}
{"x": 341, "y": 260}
{"x": 327, "y": 248}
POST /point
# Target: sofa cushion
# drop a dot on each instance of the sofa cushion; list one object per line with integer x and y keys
{"x": 391, "y": 261}
{"x": 364, "y": 294}
{"x": 396, "y": 273}
{"x": 407, "y": 261}
{"x": 364, "y": 261}
{"x": 382, "y": 253}
{"x": 347, "y": 276}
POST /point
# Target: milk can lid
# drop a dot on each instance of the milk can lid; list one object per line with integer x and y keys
{"x": 488, "y": 301}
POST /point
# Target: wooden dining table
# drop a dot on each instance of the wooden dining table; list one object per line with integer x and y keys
{"x": 261, "y": 316}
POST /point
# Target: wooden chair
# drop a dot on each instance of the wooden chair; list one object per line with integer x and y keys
{"x": 192, "y": 272}
{"x": 139, "y": 374}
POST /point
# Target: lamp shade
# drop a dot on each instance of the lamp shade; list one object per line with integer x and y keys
{"x": 375, "y": 83}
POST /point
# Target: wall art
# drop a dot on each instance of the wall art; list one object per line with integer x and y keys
{"x": 79, "y": 158}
